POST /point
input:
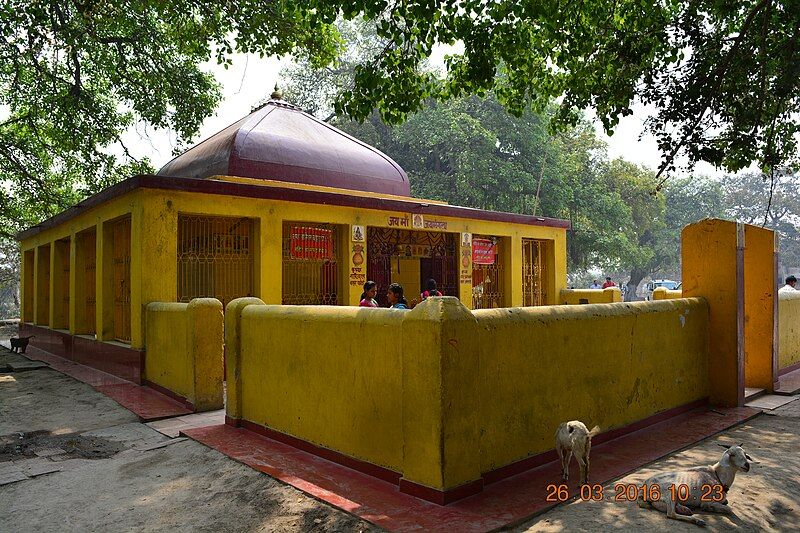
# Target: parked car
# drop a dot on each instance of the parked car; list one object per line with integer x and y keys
{"x": 668, "y": 284}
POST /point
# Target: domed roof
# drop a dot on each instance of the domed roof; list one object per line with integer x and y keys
{"x": 281, "y": 142}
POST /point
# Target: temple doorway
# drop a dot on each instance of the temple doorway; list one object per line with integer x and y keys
{"x": 411, "y": 258}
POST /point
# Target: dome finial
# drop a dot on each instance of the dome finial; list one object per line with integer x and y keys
{"x": 277, "y": 94}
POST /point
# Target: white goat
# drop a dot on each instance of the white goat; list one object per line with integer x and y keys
{"x": 707, "y": 487}
{"x": 574, "y": 437}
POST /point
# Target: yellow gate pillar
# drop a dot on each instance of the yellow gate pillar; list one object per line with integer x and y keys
{"x": 731, "y": 265}
{"x": 760, "y": 308}
{"x": 441, "y": 452}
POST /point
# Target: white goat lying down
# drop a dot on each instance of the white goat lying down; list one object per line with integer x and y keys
{"x": 706, "y": 487}
{"x": 573, "y": 437}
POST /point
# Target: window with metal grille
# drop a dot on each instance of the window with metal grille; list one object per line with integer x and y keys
{"x": 534, "y": 291}
{"x": 488, "y": 279}
{"x": 216, "y": 257}
{"x": 311, "y": 264}
{"x": 122, "y": 279}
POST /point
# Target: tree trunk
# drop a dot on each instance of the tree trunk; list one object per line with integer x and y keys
{"x": 637, "y": 275}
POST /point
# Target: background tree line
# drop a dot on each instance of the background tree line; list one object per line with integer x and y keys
{"x": 75, "y": 75}
{"x": 470, "y": 151}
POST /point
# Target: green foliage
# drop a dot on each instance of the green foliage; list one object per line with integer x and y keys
{"x": 75, "y": 75}
{"x": 756, "y": 199}
{"x": 721, "y": 75}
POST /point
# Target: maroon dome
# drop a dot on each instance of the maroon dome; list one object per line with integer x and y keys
{"x": 281, "y": 142}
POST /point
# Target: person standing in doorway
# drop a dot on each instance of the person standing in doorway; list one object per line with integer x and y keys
{"x": 791, "y": 285}
{"x": 395, "y": 297}
{"x": 596, "y": 285}
{"x": 368, "y": 296}
{"x": 609, "y": 283}
{"x": 430, "y": 290}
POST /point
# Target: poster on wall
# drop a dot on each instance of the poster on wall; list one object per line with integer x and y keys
{"x": 311, "y": 243}
{"x": 358, "y": 233}
{"x": 483, "y": 251}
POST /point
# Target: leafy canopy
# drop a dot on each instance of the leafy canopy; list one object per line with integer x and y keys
{"x": 74, "y": 75}
{"x": 721, "y": 74}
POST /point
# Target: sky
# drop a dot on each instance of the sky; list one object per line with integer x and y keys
{"x": 251, "y": 79}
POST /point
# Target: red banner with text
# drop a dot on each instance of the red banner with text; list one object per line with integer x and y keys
{"x": 483, "y": 251}
{"x": 311, "y": 243}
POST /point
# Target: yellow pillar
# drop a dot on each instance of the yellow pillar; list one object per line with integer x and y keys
{"x": 440, "y": 407}
{"x": 355, "y": 261}
{"x": 206, "y": 348}
{"x": 271, "y": 249}
{"x": 760, "y": 313}
{"x": 556, "y": 268}
{"x": 233, "y": 346}
{"x": 27, "y": 294}
{"x": 712, "y": 254}
{"x": 465, "y": 268}
{"x": 137, "y": 307}
{"x": 512, "y": 257}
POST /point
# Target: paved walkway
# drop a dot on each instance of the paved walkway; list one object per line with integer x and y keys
{"x": 148, "y": 404}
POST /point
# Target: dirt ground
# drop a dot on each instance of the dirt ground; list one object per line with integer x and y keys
{"x": 110, "y": 479}
{"x": 765, "y": 499}
{"x": 112, "y": 476}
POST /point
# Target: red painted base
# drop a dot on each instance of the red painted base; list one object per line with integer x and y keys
{"x": 169, "y": 394}
{"x": 505, "y": 502}
{"x": 121, "y": 361}
{"x": 361, "y": 466}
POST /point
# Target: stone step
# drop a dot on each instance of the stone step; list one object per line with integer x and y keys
{"x": 751, "y": 393}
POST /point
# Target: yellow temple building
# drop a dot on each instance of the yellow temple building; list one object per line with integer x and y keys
{"x": 281, "y": 206}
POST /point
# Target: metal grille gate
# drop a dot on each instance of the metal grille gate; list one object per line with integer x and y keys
{"x": 311, "y": 273}
{"x": 488, "y": 281}
{"x": 215, "y": 258}
{"x": 533, "y": 272}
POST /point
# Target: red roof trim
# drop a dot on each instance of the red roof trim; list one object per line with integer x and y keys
{"x": 206, "y": 186}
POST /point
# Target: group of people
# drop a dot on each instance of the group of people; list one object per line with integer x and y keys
{"x": 395, "y": 295}
{"x": 607, "y": 284}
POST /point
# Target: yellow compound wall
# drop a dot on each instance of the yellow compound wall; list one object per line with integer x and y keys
{"x": 662, "y": 293}
{"x": 184, "y": 353}
{"x": 590, "y": 296}
{"x": 442, "y": 394}
{"x": 329, "y": 375}
{"x": 788, "y": 329}
{"x": 606, "y": 365}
